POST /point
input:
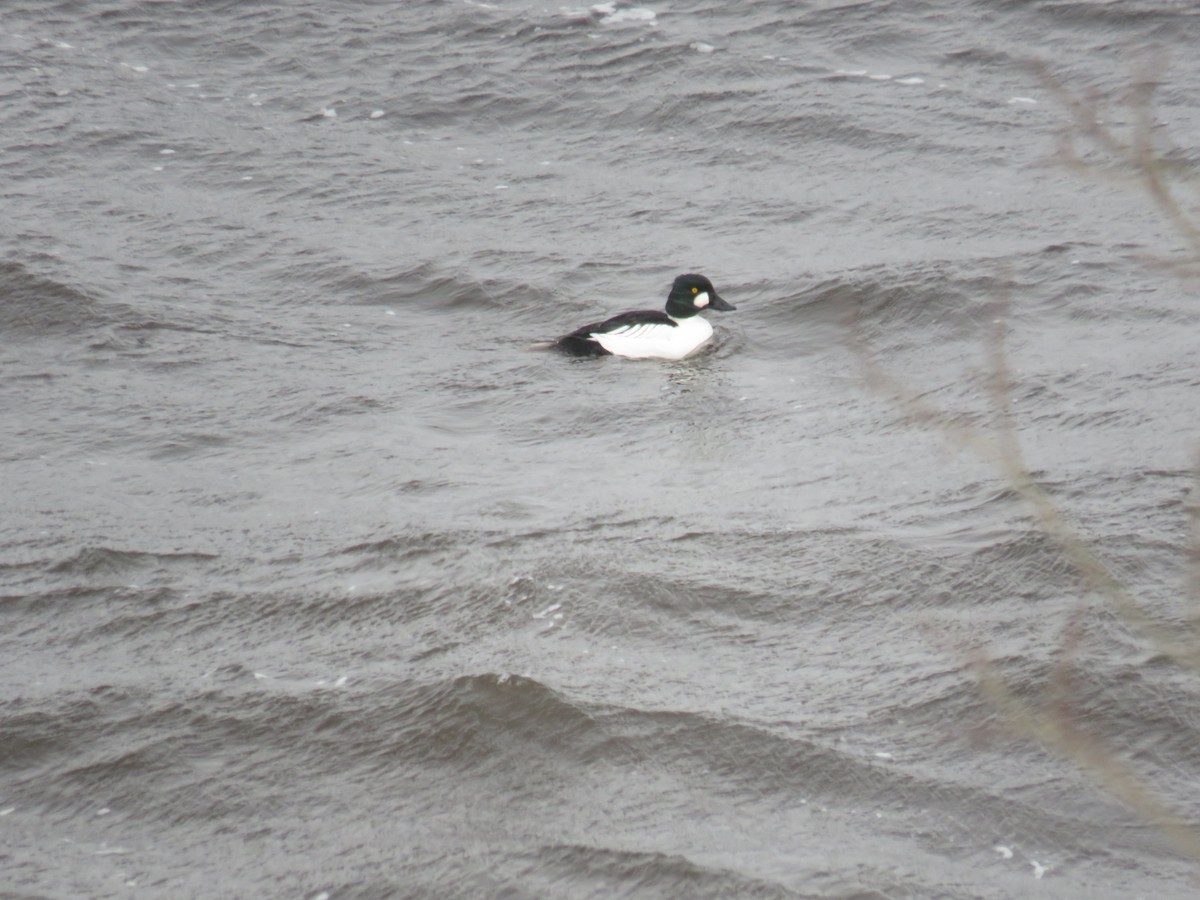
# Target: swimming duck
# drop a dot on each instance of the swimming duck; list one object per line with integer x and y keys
{"x": 649, "y": 333}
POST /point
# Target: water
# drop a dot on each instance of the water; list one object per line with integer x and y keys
{"x": 316, "y": 583}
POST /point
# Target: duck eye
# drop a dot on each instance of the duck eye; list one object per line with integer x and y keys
{"x": 695, "y": 290}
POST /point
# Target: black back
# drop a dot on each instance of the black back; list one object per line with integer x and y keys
{"x": 580, "y": 342}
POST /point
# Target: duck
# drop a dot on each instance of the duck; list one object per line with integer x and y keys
{"x": 673, "y": 334}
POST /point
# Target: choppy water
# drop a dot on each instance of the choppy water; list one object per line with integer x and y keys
{"x": 315, "y": 583}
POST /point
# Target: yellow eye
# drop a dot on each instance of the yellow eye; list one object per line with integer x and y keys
{"x": 695, "y": 290}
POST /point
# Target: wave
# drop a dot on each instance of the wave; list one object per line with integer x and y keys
{"x": 37, "y": 304}
{"x": 602, "y": 871}
{"x": 106, "y": 560}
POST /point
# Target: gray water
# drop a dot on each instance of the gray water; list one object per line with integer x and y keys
{"x": 315, "y": 582}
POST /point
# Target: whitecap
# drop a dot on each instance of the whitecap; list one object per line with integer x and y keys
{"x": 613, "y": 16}
{"x": 637, "y": 14}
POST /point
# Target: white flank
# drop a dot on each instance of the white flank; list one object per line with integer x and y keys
{"x": 651, "y": 341}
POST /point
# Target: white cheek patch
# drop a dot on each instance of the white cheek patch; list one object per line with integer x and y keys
{"x": 700, "y": 300}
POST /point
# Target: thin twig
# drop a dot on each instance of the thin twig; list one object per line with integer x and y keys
{"x": 1061, "y": 734}
{"x": 1137, "y": 155}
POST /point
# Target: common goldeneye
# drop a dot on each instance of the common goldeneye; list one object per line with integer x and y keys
{"x": 649, "y": 333}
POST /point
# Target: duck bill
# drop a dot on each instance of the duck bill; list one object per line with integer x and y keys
{"x": 715, "y": 302}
